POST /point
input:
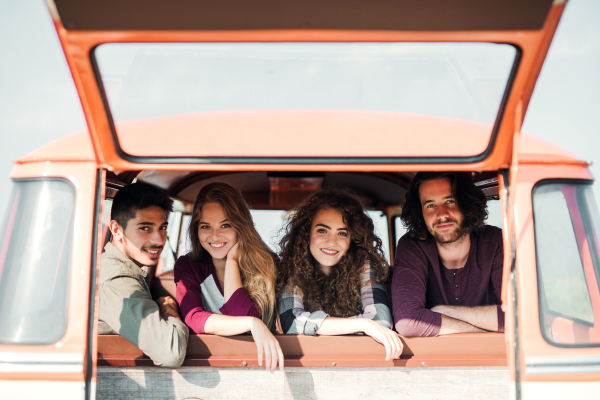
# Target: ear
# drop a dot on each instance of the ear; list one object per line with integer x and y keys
{"x": 116, "y": 230}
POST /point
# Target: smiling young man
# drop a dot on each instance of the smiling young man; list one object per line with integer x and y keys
{"x": 138, "y": 229}
{"x": 447, "y": 274}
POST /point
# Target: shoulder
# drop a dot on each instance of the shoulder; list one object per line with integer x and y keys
{"x": 112, "y": 267}
{"x": 185, "y": 266}
{"x": 490, "y": 236}
{"x": 408, "y": 244}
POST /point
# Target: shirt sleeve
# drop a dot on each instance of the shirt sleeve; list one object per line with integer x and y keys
{"x": 240, "y": 305}
{"x": 189, "y": 296}
{"x": 496, "y": 278}
{"x": 409, "y": 286}
{"x": 374, "y": 300}
{"x": 294, "y": 318}
{"x": 136, "y": 317}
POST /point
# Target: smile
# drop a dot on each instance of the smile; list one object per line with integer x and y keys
{"x": 217, "y": 246}
{"x": 153, "y": 252}
{"x": 329, "y": 252}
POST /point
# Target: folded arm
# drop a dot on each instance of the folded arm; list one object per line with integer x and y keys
{"x": 137, "y": 318}
{"x": 461, "y": 319}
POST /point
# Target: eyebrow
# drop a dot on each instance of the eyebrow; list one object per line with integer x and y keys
{"x": 325, "y": 226}
{"x": 206, "y": 223}
{"x": 152, "y": 223}
{"x": 431, "y": 201}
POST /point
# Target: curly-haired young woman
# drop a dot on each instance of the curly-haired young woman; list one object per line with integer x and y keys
{"x": 331, "y": 272}
{"x": 226, "y": 284}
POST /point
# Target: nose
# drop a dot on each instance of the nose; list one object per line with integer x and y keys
{"x": 442, "y": 211}
{"x": 159, "y": 237}
{"x": 215, "y": 234}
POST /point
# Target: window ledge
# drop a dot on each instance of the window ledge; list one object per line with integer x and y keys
{"x": 465, "y": 349}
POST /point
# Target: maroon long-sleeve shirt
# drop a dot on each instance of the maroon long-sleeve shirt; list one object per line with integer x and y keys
{"x": 420, "y": 281}
{"x": 200, "y": 295}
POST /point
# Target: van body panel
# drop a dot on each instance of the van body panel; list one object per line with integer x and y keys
{"x": 64, "y": 361}
{"x": 541, "y": 361}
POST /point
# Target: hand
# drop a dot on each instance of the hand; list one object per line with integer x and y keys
{"x": 167, "y": 307}
{"x": 233, "y": 252}
{"x": 387, "y": 337}
{"x": 266, "y": 344}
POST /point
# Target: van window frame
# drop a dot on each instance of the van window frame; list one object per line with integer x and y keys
{"x": 307, "y": 160}
{"x": 588, "y": 231}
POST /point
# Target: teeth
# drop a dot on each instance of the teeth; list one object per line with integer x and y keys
{"x": 330, "y": 252}
{"x": 217, "y": 246}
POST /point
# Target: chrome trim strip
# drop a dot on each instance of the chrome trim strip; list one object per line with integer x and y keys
{"x": 541, "y": 365}
{"x": 41, "y": 362}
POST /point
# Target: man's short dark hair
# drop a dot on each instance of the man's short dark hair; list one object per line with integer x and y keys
{"x": 470, "y": 199}
{"x": 137, "y": 196}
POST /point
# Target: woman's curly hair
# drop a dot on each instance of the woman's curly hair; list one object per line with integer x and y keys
{"x": 470, "y": 199}
{"x": 338, "y": 293}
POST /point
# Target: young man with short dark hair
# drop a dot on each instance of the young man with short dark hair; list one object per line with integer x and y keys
{"x": 447, "y": 274}
{"x": 138, "y": 230}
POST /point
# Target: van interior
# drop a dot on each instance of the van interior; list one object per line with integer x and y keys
{"x": 270, "y": 196}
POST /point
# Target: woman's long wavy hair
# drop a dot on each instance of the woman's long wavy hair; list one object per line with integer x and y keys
{"x": 338, "y": 293}
{"x": 470, "y": 199}
{"x": 257, "y": 263}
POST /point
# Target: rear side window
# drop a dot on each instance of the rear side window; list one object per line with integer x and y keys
{"x": 35, "y": 259}
{"x": 566, "y": 223}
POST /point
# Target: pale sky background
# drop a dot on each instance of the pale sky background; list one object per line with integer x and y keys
{"x": 38, "y": 102}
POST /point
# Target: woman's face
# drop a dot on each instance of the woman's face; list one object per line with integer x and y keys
{"x": 215, "y": 232}
{"x": 329, "y": 238}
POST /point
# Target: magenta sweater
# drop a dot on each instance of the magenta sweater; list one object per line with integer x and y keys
{"x": 200, "y": 295}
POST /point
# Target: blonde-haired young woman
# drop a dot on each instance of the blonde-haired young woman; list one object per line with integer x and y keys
{"x": 226, "y": 284}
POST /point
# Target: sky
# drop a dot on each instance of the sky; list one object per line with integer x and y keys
{"x": 38, "y": 101}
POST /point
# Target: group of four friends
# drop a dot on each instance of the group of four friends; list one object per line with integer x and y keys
{"x": 328, "y": 278}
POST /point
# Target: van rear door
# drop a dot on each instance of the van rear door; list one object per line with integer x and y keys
{"x": 381, "y": 83}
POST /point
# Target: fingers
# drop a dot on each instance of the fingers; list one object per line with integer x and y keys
{"x": 259, "y": 348}
{"x": 268, "y": 358}
{"x": 280, "y": 355}
{"x": 399, "y": 345}
{"x": 274, "y": 357}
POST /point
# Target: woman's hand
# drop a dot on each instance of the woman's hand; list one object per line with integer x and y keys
{"x": 267, "y": 345}
{"x": 233, "y": 252}
{"x": 387, "y": 337}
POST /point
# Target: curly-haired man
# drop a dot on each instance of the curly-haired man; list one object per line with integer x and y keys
{"x": 447, "y": 274}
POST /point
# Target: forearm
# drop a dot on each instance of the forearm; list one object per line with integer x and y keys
{"x": 484, "y": 317}
{"x": 225, "y": 325}
{"x": 341, "y": 326}
{"x": 451, "y": 325}
{"x": 232, "y": 280}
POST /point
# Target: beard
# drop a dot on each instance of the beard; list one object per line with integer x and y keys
{"x": 449, "y": 236}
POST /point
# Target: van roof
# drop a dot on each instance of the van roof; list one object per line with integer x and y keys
{"x": 77, "y": 147}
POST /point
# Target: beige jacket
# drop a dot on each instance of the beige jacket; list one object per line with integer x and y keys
{"x": 127, "y": 309}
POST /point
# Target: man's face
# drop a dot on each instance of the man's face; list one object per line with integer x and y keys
{"x": 440, "y": 211}
{"x": 144, "y": 237}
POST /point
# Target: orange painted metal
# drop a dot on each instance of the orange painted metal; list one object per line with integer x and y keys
{"x": 83, "y": 177}
{"x": 475, "y": 349}
{"x": 531, "y": 339}
{"x": 79, "y": 45}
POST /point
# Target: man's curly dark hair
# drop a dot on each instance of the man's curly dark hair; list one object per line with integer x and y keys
{"x": 470, "y": 199}
{"x": 338, "y": 293}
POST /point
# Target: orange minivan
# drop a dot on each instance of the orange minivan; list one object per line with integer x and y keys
{"x": 278, "y": 99}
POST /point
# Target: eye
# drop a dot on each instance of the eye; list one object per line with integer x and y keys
{"x": 429, "y": 206}
{"x": 163, "y": 228}
{"x": 225, "y": 226}
{"x": 321, "y": 230}
{"x": 145, "y": 228}
{"x": 343, "y": 234}
{"x": 451, "y": 201}
{"x": 204, "y": 226}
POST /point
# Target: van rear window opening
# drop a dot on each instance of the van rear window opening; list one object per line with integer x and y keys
{"x": 249, "y": 99}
